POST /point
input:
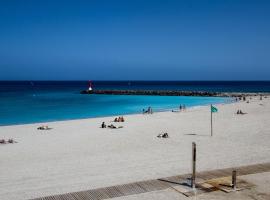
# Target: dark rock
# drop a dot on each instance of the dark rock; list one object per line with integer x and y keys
{"x": 169, "y": 93}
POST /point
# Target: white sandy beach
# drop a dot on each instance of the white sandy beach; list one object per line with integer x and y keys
{"x": 79, "y": 155}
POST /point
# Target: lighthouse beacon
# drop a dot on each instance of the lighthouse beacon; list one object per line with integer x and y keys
{"x": 90, "y": 86}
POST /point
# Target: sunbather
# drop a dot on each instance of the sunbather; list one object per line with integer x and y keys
{"x": 163, "y": 135}
{"x": 240, "y": 112}
{"x": 121, "y": 119}
{"x": 111, "y": 126}
{"x": 11, "y": 141}
{"x": 2, "y": 141}
{"x": 43, "y": 128}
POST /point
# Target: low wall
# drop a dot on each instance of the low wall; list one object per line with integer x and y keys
{"x": 171, "y": 93}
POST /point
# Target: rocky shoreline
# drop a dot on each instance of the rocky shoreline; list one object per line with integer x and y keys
{"x": 173, "y": 93}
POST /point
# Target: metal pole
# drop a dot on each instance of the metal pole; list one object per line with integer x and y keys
{"x": 234, "y": 179}
{"x": 211, "y": 121}
{"x": 193, "y": 165}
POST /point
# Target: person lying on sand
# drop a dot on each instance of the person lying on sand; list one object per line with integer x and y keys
{"x": 114, "y": 127}
{"x": 111, "y": 126}
{"x": 11, "y": 141}
{"x": 43, "y": 128}
{"x": 2, "y": 141}
{"x": 163, "y": 135}
{"x": 239, "y": 112}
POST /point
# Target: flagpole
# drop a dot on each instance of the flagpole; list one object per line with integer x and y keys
{"x": 211, "y": 120}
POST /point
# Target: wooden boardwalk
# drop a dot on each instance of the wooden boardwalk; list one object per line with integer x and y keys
{"x": 155, "y": 185}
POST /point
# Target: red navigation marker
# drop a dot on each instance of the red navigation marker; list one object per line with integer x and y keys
{"x": 90, "y": 86}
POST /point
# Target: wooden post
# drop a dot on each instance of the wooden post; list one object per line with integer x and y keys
{"x": 234, "y": 179}
{"x": 193, "y": 165}
{"x": 211, "y": 120}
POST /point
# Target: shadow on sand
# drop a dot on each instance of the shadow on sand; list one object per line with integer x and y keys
{"x": 194, "y": 134}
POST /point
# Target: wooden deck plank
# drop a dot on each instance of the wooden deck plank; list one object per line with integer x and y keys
{"x": 133, "y": 188}
{"x": 154, "y": 185}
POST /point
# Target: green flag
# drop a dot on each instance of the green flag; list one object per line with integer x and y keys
{"x": 213, "y": 109}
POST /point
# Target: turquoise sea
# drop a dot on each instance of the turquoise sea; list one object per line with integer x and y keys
{"x": 33, "y": 101}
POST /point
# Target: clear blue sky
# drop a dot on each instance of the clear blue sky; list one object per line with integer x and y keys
{"x": 135, "y": 40}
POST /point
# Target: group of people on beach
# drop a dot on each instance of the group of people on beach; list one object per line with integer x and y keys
{"x": 43, "y": 127}
{"x": 9, "y": 141}
{"x": 148, "y": 111}
{"x": 117, "y": 119}
{"x": 182, "y": 107}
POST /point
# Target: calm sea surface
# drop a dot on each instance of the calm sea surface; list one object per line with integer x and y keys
{"x": 44, "y": 101}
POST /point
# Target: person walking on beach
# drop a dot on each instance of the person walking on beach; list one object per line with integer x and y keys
{"x": 150, "y": 110}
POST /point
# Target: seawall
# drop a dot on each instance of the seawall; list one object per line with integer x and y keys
{"x": 172, "y": 93}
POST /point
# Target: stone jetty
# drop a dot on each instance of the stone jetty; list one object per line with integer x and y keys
{"x": 172, "y": 93}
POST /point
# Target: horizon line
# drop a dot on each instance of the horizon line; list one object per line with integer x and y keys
{"x": 140, "y": 80}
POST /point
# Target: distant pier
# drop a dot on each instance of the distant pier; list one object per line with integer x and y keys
{"x": 172, "y": 93}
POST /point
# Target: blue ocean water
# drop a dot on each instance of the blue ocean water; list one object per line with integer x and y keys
{"x": 45, "y": 101}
